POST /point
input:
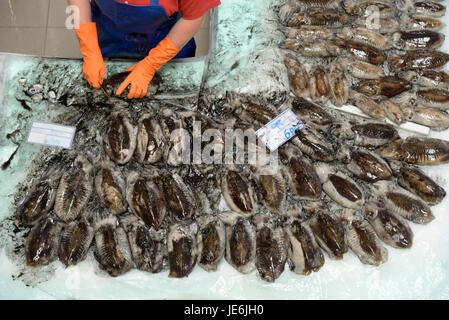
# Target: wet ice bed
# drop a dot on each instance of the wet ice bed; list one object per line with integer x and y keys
{"x": 421, "y": 272}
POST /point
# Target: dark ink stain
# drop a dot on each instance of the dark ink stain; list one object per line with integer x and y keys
{"x": 12, "y": 134}
{"x": 24, "y": 104}
{"x": 6, "y": 164}
{"x": 63, "y": 99}
{"x": 18, "y": 276}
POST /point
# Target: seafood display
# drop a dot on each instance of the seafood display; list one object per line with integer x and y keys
{"x": 362, "y": 239}
{"x": 75, "y": 189}
{"x": 39, "y": 201}
{"x": 120, "y": 139}
{"x": 131, "y": 194}
{"x": 145, "y": 244}
{"x": 211, "y": 242}
{"x": 329, "y": 232}
{"x": 366, "y": 60}
{"x": 403, "y": 203}
{"x": 42, "y": 242}
{"x": 416, "y": 150}
{"x": 304, "y": 254}
{"x": 146, "y": 199}
{"x": 182, "y": 249}
{"x": 389, "y": 227}
{"x": 111, "y": 188}
{"x": 340, "y": 188}
{"x": 341, "y": 184}
{"x": 75, "y": 242}
{"x": 416, "y": 181}
{"x": 112, "y": 249}
{"x": 240, "y": 242}
{"x": 271, "y": 249}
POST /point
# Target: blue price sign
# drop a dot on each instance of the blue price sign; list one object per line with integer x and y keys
{"x": 280, "y": 129}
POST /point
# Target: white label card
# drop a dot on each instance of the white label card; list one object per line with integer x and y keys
{"x": 51, "y": 134}
{"x": 279, "y": 130}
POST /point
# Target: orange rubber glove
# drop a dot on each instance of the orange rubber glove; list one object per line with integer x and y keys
{"x": 93, "y": 67}
{"x": 142, "y": 73}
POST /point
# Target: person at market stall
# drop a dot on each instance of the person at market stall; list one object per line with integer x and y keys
{"x": 154, "y": 31}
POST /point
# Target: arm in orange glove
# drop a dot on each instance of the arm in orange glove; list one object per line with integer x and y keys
{"x": 142, "y": 73}
{"x": 86, "y": 31}
{"x": 93, "y": 67}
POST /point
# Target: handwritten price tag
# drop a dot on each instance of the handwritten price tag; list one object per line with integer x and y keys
{"x": 279, "y": 130}
{"x": 51, "y": 134}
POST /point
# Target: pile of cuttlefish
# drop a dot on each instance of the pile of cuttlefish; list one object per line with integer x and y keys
{"x": 342, "y": 182}
{"x": 381, "y": 56}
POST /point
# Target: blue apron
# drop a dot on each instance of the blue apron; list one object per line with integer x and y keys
{"x": 128, "y": 31}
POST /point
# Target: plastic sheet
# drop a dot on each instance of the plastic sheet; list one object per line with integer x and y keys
{"x": 247, "y": 40}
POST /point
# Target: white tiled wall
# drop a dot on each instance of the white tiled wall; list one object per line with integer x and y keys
{"x": 38, "y": 27}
